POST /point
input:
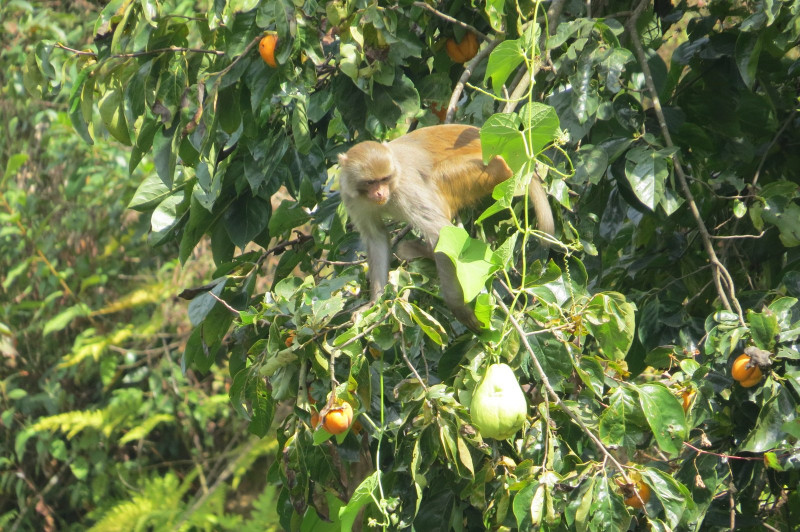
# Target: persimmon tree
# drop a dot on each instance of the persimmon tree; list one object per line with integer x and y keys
{"x": 666, "y": 137}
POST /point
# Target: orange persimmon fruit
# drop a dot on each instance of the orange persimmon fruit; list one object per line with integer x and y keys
{"x": 338, "y": 418}
{"x": 643, "y": 491}
{"x": 463, "y": 51}
{"x": 688, "y": 397}
{"x": 747, "y": 376}
{"x": 267, "y": 49}
{"x": 634, "y": 495}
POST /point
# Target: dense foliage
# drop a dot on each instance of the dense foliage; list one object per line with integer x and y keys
{"x": 98, "y": 425}
{"x": 667, "y": 139}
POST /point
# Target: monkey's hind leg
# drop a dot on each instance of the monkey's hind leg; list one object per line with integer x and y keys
{"x": 413, "y": 249}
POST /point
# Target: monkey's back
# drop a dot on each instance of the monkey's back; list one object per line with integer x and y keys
{"x": 454, "y": 163}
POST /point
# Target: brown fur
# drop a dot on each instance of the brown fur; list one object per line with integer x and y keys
{"x": 427, "y": 175}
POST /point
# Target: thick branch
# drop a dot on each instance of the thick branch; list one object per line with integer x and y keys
{"x": 727, "y": 293}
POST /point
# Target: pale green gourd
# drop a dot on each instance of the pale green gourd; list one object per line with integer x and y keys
{"x": 498, "y": 407}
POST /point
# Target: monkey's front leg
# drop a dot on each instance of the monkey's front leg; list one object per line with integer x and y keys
{"x": 378, "y": 257}
{"x": 452, "y": 293}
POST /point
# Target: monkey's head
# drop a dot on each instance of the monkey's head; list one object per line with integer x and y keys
{"x": 368, "y": 171}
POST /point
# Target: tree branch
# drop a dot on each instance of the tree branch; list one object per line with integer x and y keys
{"x": 552, "y": 393}
{"x": 722, "y": 279}
{"x": 468, "y": 68}
{"x": 448, "y": 18}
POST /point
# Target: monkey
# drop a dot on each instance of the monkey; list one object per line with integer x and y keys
{"x": 423, "y": 178}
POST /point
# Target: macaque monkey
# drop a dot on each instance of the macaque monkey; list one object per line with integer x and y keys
{"x": 423, "y": 178}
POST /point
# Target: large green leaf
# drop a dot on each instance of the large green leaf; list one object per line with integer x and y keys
{"x": 473, "y": 259}
{"x": 612, "y": 321}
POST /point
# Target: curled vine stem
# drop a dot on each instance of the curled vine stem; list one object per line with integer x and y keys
{"x": 722, "y": 278}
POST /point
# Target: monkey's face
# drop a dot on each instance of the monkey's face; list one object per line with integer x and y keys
{"x": 368, "y": 172}
{"x": 378, "y": 190}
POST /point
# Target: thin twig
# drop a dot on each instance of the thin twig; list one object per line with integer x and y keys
{"x": 224, "y": 303}
{"x": 734, "y": 237}
{"x": 174, "y": 49}
{"x": 408, "y": 362}
{"x": 771, "y": 144}
{"x": 228, "y": 68}
{"x": 726, "y": 456}
{"x": 448, "y": 18}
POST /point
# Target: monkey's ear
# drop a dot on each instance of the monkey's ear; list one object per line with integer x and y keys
{"x": 342, "y": 158}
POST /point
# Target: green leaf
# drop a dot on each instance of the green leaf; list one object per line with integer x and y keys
{"x": 585, "y": 97}
{"x": 665, "y": 415}
{"x": 786, "y": 217}
{"x": 495, "y": 11}
{"x": 79, "y": 467}
{"x": 503, "y": 61}
{"x": 391, "y": 104}
{"x": 764, "y": 328}
{"x": 247, "y": 218}
{"x": 768, "y": 433}
{"x": 81, "y": 96}
{"x": 500, "y": 135}
{"x": 583, "y": 510}
{"x": 361, "y": 496}
{"x": 165, "y": 153}
{"x": 432, "y": 328}
{"x": 622, "y": 423}
{"x": 590, "y": 165}
{"x": 200, "y": 306}
{"x": 300, "y": 129}
{"x": 243, "y": 380}
{"x": 472, "y": 259}
{"x": 748, "y": 50}
{"x": 112, "y": 112}
{"x": 646, "y": 172}
{"x": 263, "y": 410}
{"x": 675, "y": 498}
{"x": 276, "y": 361}
{"x": 464, "y": 455}
{"x": 199, "y": 222}
{"x": 14, "y": 163}
{"x": 541, "y": 125}
{"x": 166, "y": 217}
{"x": 287, "y": 216}
{"x": 611, "y": 320}
{"x": 150, "y": 193}
{"x": 522, "y": 505}
{"x": 35, "y": 83}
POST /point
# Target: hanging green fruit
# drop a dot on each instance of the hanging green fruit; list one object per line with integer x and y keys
{"x": 498, "y": 407}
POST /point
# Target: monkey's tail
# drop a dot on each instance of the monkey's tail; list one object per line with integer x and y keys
{"x": 544, "y": 215}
